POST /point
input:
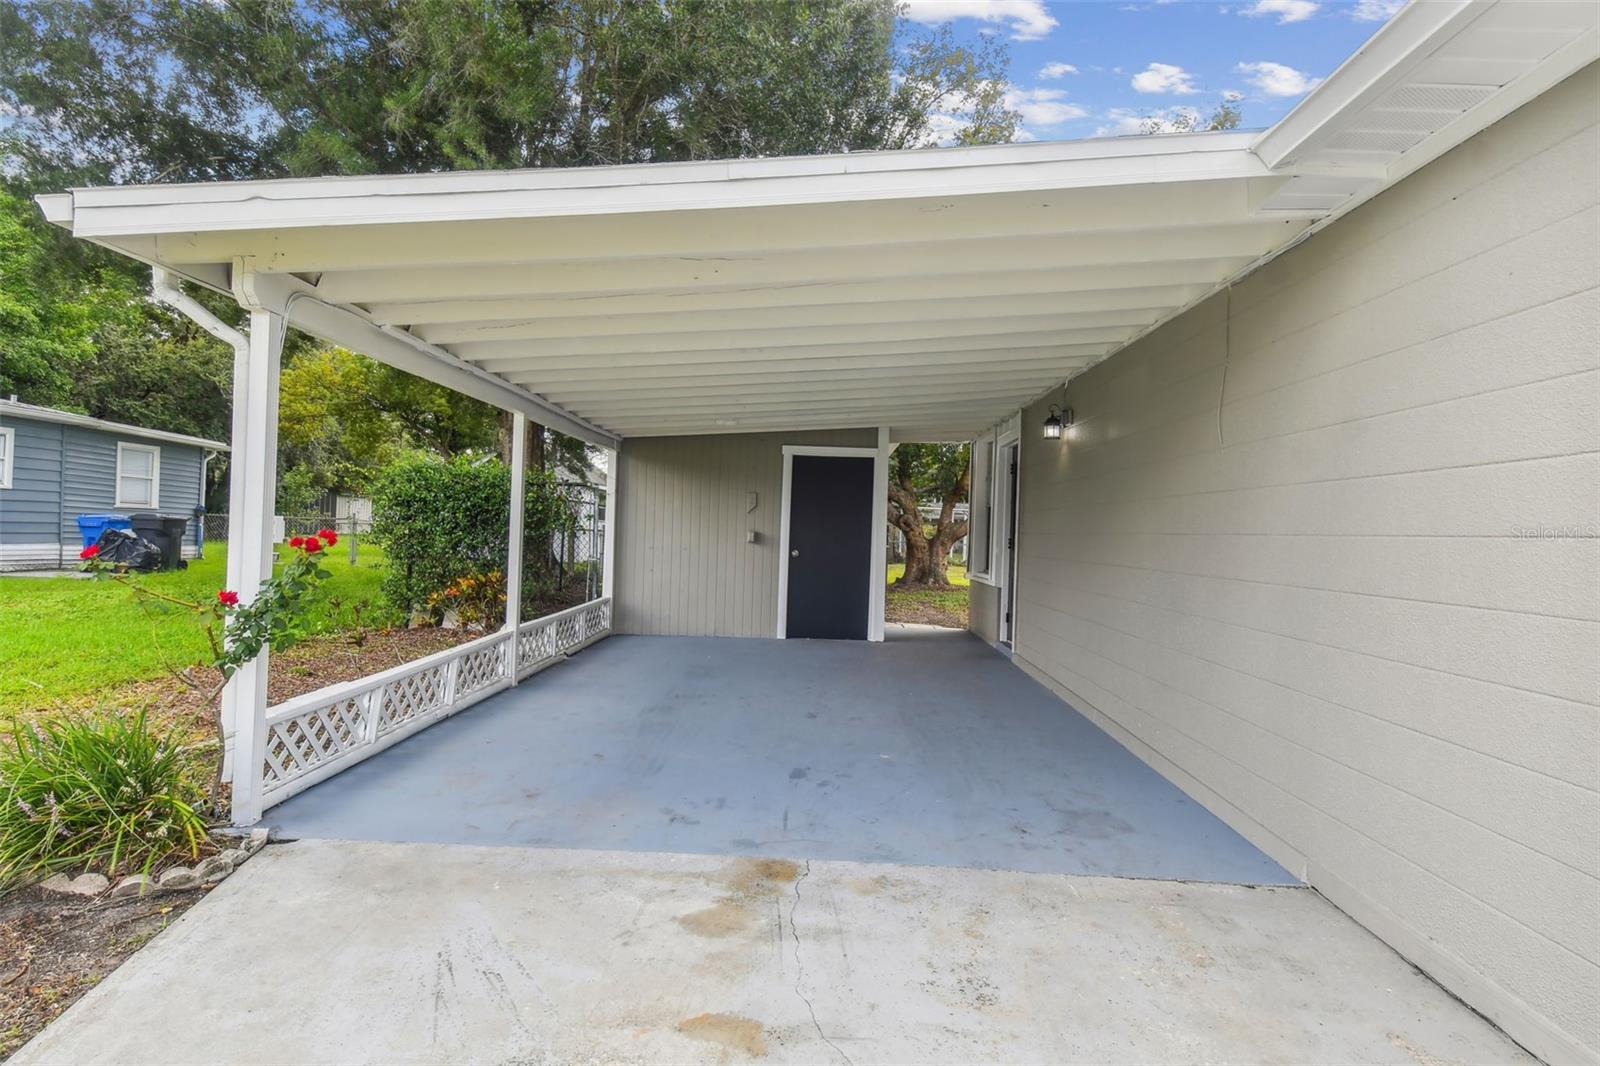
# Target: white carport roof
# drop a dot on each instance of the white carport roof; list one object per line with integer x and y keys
{"x": 931, "y": 291}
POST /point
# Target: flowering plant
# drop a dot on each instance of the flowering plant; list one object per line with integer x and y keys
{"x": 477, "y": 599}
{"x": 237, "y": 631}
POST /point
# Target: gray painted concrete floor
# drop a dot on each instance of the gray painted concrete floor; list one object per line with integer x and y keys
{"x": 383, "y": 953}
{"x": 929, "y": 748}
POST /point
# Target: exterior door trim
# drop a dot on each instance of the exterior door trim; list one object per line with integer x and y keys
{"x": 876, "y": 574}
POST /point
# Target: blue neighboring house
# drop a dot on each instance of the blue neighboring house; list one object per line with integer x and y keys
{"x": 55, "y": 465}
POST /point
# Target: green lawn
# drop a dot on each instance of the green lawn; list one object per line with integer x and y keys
{"x": 955, "y": 572}
{"x": 63, "y": 637}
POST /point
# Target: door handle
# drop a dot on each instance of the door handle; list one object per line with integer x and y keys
{"x": 794, "y": 553}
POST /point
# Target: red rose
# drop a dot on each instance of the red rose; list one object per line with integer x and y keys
{"x": 90, "y": 552}
{"x": 329, "y": 537}
{"x": 297, "y": 542}
{"x": 227, "y": 599}
{"x": 312, "y": 545}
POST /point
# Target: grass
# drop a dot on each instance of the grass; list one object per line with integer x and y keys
{"x": 929, "y": 606}
{"x": 65, "y": 637}
{"x": 955, "y": 572}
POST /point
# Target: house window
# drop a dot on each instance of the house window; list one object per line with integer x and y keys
{"x": 138, "y": 471}
{"x": 8, "y": 449}
{"x": 982, "y": 506}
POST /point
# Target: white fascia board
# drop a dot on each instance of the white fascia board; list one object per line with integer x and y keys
{"x": 348, "y": 327}
{"x": 411, "y": 198}
{"x": 1405, "y": 40}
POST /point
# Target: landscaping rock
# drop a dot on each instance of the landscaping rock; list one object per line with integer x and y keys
{"x": 257, "y": 840}
{"x": 235, "y": 857}
{"x": 177, "y": 878}
{"x": 82, "y": 885}
{"x": 215, "y": 867}
{"x": 133, "y": 885}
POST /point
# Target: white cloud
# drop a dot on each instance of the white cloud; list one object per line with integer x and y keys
{"x": 1285, "y": 10}
{"x": 1043, "y": 107}
{"x": 1164, "y": 78}
{"x": 1275, "y": 79}
{"x": 1057, "y": 70}
{"x": 1028, "y": 20}
{"x": 1376, "y": 10}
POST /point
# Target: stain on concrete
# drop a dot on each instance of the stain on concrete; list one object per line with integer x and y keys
{"x": 797, "y": 774}
{"x": 750, "y": 884}
{"x": 732, "y": 1031}
{"x": 726, "y": 917}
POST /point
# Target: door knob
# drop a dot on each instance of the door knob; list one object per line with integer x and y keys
{"x": 794, "y": 553}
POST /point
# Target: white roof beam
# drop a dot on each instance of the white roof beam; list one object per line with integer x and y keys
{"x": 826, "y": 366}
{"x": 1189, "y": 274}
{"x": 1144, "y": 301}
{"x": 930, "y": 258}
{"x": 668, "y": 389}
{"x": 843, "y": 393}
{"x": 1066, "y": 327}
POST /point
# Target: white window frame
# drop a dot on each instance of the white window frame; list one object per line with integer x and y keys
{"x": 876, "y": 567}
{"x": 123, "y": 447}
{"x": 8, "y": 461}
{"x": 986, "y": 575}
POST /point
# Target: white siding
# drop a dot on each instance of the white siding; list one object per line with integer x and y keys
{"x": 684, "y": 565}
{"x": 1324, "y": 551}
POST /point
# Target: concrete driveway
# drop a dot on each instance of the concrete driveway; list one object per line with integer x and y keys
{"x": 321, "y": 951}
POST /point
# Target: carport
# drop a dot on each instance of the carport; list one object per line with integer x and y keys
{"x": 930, "y": 749}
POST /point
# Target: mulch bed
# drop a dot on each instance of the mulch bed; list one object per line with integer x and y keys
{"x": 54, "y": 948}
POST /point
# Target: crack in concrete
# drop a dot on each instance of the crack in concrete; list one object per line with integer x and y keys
{"x": 800, "y": 970}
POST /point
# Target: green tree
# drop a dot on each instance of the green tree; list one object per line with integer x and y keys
{"x": 104, "y": 91}
{"x": 928, "y": 473}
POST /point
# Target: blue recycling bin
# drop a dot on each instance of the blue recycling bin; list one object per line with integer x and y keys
{"x": 90, "y": 526}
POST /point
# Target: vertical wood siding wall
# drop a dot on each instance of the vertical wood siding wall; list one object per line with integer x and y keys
{"x": 1323, "y": 550}
{"x": 684, "y": 566}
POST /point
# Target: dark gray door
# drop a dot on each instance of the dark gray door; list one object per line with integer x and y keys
{"x": 830, "y": 546}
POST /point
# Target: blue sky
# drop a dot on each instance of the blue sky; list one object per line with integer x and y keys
{"x": 1085, "y": 68}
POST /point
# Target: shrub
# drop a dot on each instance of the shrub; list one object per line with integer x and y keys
{"x": 102, "y": 792}
{"x": 441, "y": 520}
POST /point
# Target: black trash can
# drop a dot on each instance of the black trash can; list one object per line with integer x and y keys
{"x": 165, "y": 532}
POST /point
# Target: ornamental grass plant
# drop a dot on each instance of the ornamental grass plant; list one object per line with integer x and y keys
{"x": 97, "y": 792}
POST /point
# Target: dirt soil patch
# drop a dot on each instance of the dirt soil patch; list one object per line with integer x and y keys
{"x": 927, "y": 605}
{"x": 318, "y": 662}
{"x": 55, "y": 948}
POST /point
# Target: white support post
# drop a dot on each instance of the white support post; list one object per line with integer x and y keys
{"x": 880, "y": 526}
{"x": 254, "y": 486}
{"x": 519, "y": 462}
{"x": 608, "y": 559}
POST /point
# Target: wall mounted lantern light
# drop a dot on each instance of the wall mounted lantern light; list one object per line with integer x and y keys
{"x": 1054, "y": 424}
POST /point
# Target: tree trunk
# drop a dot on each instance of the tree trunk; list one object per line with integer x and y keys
{"x": 535, "y": 442}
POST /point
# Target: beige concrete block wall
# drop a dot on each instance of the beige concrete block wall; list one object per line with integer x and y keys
{"x": 1323, "y": 550}
{"x": 684, "y": 565}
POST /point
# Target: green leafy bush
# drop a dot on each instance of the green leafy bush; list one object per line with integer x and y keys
{"x": 99, "y": 791}
{"x": 440, "y": 520}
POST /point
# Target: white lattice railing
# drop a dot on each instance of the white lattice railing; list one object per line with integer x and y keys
{"x": 312, "y": 737}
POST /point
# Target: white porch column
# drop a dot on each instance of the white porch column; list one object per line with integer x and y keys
{"x": 880, "y": 539}
{"x": 519, "y": 478}
{"x": 608, "y": 558}
{"x": 254, "y": 487}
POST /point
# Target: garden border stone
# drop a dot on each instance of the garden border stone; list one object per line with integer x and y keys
{"x": 208, "y": 871}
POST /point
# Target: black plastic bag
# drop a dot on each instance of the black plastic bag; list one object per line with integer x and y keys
{"x": 128, "y": 549}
